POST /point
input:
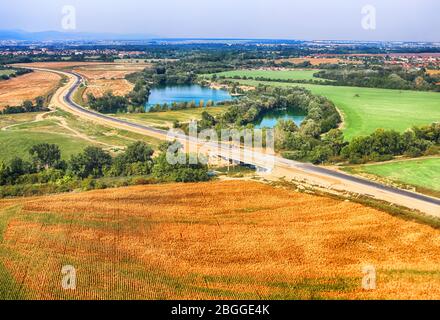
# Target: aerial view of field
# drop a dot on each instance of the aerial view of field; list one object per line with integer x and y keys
{"x": 18, "y": 133}
{"x": 101, "y": 77}
{"x": 367, "y": 109}
{"x": 316, "y": 61}
{"x": 108, "y": 78}
{"x": 273, "y": 74}
{"x": 433, "y": 72}
{"x": 211, "y": 241}
{"x": 184, "y": 154}
{"x": 27, "y": 87}
{"x": 421, "y": 173}
{"x": 59, "y": 65}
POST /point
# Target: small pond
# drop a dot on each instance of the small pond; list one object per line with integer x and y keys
{"x": 270, "y": 119}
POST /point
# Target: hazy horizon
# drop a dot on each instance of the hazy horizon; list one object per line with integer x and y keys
{"x": 396, "y": 20}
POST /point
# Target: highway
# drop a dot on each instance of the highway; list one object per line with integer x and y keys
{"x": 316, "y": 175}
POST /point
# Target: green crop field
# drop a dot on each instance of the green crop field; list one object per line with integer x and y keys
{"x": 7, "y": 72}
{"x": 18, "y": 144}
{"x": 166, "y": 119}
{"x": 367, "y": 109}
{"x": 421, "y": 173}
{"x": 18, "y": 133}
{"x": 275, "y": 75}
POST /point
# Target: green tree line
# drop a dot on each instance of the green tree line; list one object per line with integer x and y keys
{"x": 47, "y": 170}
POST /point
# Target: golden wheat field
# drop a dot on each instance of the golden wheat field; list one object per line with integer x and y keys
{"x": 217, "y": 240}
{"x": 27, "y": 87}
{"x": 435, "y": 73}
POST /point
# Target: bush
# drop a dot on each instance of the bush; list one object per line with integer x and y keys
{"x": 88, "y": 184}
{"x": 178, "y": 172}
{"x": 136, "y": 160}
{"x": 92, "y": 162}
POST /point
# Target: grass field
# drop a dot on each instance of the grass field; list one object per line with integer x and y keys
{"x": 18, "y": 133}
{"x": 211, "y": 241}
{"x": 18, "y": 145}
{"x": 276, "y": 75}
{"x": 166, "y": 119}
{"x": 421, "y": 173}
{"x": 367, "y": 109}
{"x": 7, "y": 72}
{"x": 23, "y": 132}
{"x": 317, "y": 61}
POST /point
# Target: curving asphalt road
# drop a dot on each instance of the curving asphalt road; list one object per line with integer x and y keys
{"x": 285, "y": 163}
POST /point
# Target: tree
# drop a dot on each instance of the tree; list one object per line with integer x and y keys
{"x": 92, "y": 162}
{"x": 39, "y": 103}
{"x": 45, "y": 156}
{"x": 141, "y": 92}
{"x": 17, "y": 168}
{"x": 136, "y": 160}
{"x": 283, "y": 131}
{"x": 208, "y": 121}
{"x": 310, "y": 128}
{"x": 108, "y": 103}
{"x": 165, "y": 171}
{"x": 4, "y": 173}
{"x": 421, "y": 84}
{"x": 335, "y": 140}
{"x": 321, "y": 154}
{"x": 28, "y": 106}
{"x": 138, "y": 152}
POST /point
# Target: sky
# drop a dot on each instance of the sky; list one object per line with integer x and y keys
{"x": 399, "y": 20}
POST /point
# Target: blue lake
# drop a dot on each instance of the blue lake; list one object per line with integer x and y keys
{"x": 270, "y": 119}
{"x": 186, "y": 93}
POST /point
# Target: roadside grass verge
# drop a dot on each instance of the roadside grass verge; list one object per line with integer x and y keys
{"x": 105, "y": 134}
{"x": 17, "y": 143}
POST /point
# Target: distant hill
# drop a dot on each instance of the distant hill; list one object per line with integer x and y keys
{"x": 20, "y": 35}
